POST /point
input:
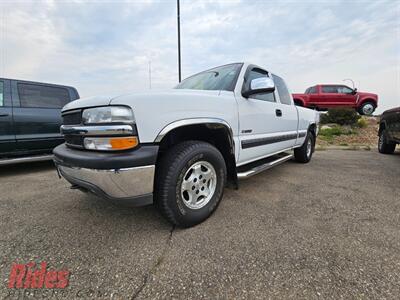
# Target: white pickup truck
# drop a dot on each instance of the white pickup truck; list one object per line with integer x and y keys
{"x": 179, "y": 148}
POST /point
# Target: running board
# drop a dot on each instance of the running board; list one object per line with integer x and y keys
{"x": 264, "y": 166}
{"x": 18, "y": 160}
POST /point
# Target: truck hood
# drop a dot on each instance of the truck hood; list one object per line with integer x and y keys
{"x": 88, "y": 102}
{"x": 137, "y": 96}
{"x": 368, "y": 94}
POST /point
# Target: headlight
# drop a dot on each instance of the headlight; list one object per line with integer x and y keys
{"x": 108, "y": 114}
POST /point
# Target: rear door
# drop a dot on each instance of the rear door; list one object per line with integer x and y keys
{"x": 37, "y": 115}
{"x": 327, "y": 96}
{"x": 7, "y": 137}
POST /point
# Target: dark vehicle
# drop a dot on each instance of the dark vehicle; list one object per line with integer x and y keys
{"x": 30, "y": 119}
{"x": 389, "y": 131}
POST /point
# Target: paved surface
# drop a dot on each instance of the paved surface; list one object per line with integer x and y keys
{"x": 328, "y": 229}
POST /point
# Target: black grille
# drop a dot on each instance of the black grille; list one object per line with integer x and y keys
{"x": 72, "y": 118}
{"x": 74, "y": 140}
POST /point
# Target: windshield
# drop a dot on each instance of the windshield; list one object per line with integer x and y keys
{"x": 219, "y": 78}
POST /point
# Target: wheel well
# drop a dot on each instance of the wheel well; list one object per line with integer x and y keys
{"x": 313, "y": 129}
{"x": 215, "y": 134}
{"x": 368, "y": 100}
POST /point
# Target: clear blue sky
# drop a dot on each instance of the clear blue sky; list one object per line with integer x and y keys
{"x": 102, "y": 47}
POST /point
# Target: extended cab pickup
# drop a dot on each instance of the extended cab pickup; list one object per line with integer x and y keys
{"x": 30, "y": 119}
{"x": 389, "y": 130}
{"x": 324, "y": 96}
{"x": 179, "y": 148}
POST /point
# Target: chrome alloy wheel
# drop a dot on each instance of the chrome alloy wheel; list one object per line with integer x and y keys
{"x": 368, "y": 109}
{"x": 309, "y": 148}
{"x": 198, "y": 185}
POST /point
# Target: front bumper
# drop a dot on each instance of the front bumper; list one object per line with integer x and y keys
{"x": 125, "y": 177}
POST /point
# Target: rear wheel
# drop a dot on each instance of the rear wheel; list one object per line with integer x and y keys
{"x": 304, "y": 153}
{"x": 385, "y": 146}
{"x": 190, "y": 182}
{"x": 366, "y": 108}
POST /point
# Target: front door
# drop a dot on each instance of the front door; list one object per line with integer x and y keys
{"x": 7, "y": 137}
{"x": 265, "y": 125}
{"x": 345, "y": 96}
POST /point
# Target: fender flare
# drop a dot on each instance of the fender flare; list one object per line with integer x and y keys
{"x": 381, "y": 124}
{"x": 209, "y": 122}
{"x": 193, "y": 121}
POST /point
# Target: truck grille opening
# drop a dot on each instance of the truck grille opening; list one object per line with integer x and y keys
{"x": 75, "y": 141}
{"x": 72, "y": 118}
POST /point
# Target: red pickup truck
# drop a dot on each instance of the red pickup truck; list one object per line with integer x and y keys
{"x": 324, "y": 96}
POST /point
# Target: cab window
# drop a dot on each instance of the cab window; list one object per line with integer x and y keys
{"x": 283, "y": 91}
{"x": 329, "y": 89}
{"x": 344, "y": 90}
{"x": 313, "y": 90}
{"x": 40, "y": 96}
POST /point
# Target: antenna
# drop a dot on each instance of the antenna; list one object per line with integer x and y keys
{"x": 179, "y": 39}
{"x": 351, "y": 82}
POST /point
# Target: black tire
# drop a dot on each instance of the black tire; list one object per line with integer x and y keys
{"x": 385, "y": 146}
{"x": 361, "y": 108}
{"x": 301, "y": 154}
{"x": 170, "y": 174}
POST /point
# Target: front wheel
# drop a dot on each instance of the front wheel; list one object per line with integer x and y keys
{"x": 366, "y": 109}
{"x": 190, "y": 182}
{"x": 384, "y": 146}
{"x": 304, "y": 153}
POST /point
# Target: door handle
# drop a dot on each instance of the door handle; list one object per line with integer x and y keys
{"x": 278, "y": 113}
{"x": 3, "y": 115}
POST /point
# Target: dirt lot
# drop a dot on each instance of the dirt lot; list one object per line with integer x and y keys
{"x": 328, "y": 229}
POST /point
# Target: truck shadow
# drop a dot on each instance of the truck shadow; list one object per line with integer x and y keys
{"x": 25, "y": 168}
{"x": 115, "y": 215}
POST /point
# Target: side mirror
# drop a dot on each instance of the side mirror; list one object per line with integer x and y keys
{"x": 260, "y": 85}
{"x": 354, "y": 91}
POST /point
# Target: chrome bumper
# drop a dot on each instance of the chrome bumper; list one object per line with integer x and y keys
{"x": 130, "y": 185}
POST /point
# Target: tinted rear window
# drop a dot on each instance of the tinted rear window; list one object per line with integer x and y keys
{"x": 283, "y": 91}
{"x": 32, "y": 95}
{"x": 329, "y": 89}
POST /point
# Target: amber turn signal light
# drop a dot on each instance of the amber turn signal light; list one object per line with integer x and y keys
{"x": 110, "y": 143}
{"x": 122, "y": 143}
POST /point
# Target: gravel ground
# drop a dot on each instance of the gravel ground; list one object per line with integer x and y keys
{"x": 326, "y": 230}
